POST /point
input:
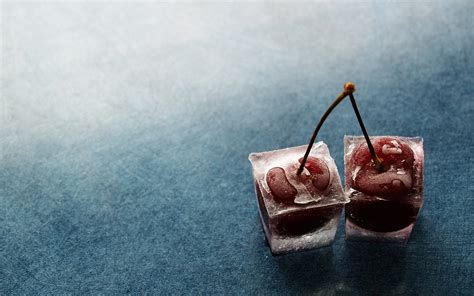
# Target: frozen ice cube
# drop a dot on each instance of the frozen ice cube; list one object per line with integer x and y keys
{"x": 383, "y": 204}
{"x": 297, "y": 211}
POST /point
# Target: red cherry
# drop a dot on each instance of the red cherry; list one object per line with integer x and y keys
{"x": 304, "y": 222}
{"x": 397, "y": 177}
{"x": 381, "y": 215}
{"x": 319, "y": 172}
{"x": 392, "y": 151}
{"x": 281, "y": 189}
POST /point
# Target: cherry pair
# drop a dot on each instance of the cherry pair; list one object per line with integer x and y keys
{"x": 300, "y": 197}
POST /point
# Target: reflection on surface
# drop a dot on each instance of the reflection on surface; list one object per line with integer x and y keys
{"x": 310, "y": 271}
{"x": 360, "y": 267}
{"x": 376, "y": 266}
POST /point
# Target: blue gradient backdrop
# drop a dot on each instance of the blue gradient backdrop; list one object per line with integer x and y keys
{"x": 125, "y": 131}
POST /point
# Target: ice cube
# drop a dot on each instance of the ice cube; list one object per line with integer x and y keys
{"x": 297, "y": 211}
{"x": 384, "y": 204}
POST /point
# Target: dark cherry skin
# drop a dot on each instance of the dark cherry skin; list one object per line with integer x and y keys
{"x": 386, "y": 183}
{"x": 381, "y": 215}
{"x": 297, "y": 223}
{"x": 305, "y": 221}
{"x": 301, "y": 221}
{"x": 284, "y": 192}
{"x": 394, "y": 212}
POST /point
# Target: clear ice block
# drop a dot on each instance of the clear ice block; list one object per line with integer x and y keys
{"x": 383, "y": 205}
{"x": 297, "y": 212}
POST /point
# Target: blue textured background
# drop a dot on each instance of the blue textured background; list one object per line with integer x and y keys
{"x": 125, "y": 131}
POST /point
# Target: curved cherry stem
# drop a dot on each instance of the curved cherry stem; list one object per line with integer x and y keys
{"x": 349, "y": 88}
{"x": 375, "y": 158}
{"x": 333, "y": 105}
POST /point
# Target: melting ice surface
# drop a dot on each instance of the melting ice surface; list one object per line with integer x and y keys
{"x": 384, "y": 205}
{"x": 387, "y": 149}
{"x": 392, "y": 178}
{"x": 288, "y": 160}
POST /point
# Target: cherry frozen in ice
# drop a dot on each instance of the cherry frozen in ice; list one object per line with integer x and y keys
{"x": 319, "y": 172}
{"x": 395, "y": 178}
{"x": 316, "y": 181}
{"x": 381, "y": 215}
{"x": 301, "y": 222}
{"x": 279, "y": 185}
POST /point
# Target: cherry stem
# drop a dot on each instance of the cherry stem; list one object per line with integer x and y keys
{"x": 375, "y": 158}
{"x": 333, "y": 105}
{"x": 349, "y": 88}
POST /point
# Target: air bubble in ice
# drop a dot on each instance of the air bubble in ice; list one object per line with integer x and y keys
{"x": 397, "y": 183}
{"x": 386, "y": 149}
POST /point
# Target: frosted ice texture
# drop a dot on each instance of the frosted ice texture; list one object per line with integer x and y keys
{"x": 401, "y": 208}
{"x": 310, "y": 221}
